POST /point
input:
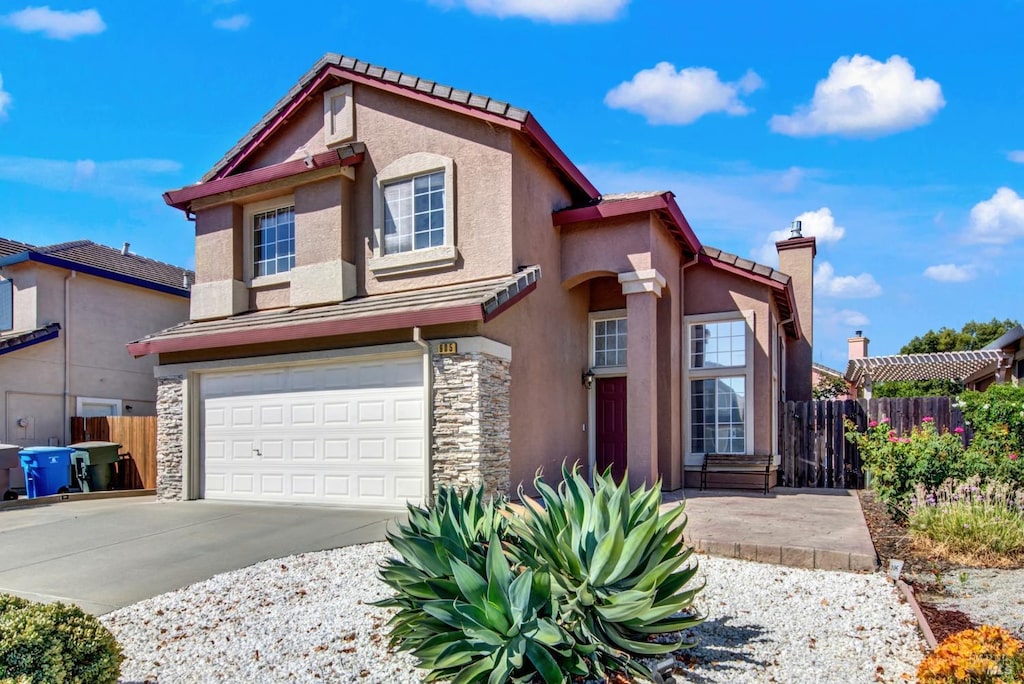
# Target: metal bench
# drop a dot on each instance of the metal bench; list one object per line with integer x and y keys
{"x": 735, "y": 463}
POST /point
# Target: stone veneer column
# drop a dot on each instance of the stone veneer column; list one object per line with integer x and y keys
{"x": 471, "y": 437}
{"x": 642, "y": 290}
{"x": 170, "y": 439}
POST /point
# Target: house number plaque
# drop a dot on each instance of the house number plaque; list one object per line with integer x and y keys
{"x": 447, "y": 348}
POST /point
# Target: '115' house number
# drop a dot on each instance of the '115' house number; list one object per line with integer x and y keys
{"x": 447, "y": 348}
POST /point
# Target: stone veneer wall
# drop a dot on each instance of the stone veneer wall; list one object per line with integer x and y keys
{"x": 170, "y": 438}
{"x": 471, "y": 433}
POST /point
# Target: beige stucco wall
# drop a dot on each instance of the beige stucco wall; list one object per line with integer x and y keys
{"x": 547, "y": 331}
{"x": 105, "y": 316}
{"x": 709, "y": 290}
{"x": 391, "y": 127}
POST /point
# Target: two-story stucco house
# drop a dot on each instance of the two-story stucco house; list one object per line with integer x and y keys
{"x": 401, "y": 284}
{"x": 66, "y": 312}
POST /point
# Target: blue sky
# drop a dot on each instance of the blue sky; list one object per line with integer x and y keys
{"x": 892, "y": 129}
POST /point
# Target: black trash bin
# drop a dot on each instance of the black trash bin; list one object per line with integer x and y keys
{"x": 94, "y": 464}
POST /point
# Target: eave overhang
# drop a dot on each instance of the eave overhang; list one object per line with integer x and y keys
{"x": 663, "y": 204}
{"x": 346, "y": 155}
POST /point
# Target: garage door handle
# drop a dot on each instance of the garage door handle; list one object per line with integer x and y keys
{"x": 257, "y": 452}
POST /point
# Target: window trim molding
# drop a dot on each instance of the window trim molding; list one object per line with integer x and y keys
{"x": 406, "y": 168}
{"x": 116, "y": 403}
{"x": 248, "y": 261}
{"x": 691, "y": 458}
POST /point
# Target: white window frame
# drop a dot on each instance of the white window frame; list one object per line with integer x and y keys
{"x": 248, "y": 239}
{"x": 80, "y": 402}
{"x": 402, "y": 169}
{"x": 746, "y": 371}
{"x": 595, "y": 318}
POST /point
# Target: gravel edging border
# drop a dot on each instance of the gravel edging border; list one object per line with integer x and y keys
{"x": 922, "y": 622}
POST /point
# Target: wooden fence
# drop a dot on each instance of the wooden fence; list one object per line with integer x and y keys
{"x": 812, "y": 435}
{"x": 137, "y": 437}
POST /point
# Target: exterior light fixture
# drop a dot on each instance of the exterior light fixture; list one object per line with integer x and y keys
{"x": 588, "y": 379}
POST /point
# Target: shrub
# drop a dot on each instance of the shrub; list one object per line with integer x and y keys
{"x": 571, "y": 589}
{"x": 998, "y": 412}
{"x": 897, "y": 464}
{"x": 975, "y": 656}
{"x": 970, "y": 519}
{"x": 54, "y": 643}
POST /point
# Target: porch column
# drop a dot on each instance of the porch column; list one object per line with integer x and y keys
{"x": 642, "y": 290}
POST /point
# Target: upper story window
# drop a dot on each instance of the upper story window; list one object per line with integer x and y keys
{"x": 718, "y": 345}
{"x": 273, "y": 241}
{"x": 610, "y": 342}
{"x": 414, "y": 213}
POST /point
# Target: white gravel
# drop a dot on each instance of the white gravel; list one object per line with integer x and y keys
{"x": 988, "y": 597}
{"x": 305, "y": 619}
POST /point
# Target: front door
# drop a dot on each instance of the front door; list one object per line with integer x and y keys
{"x": 611, "y": 426}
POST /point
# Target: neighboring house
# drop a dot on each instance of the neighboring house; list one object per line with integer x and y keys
{"x": 820, "y": 371}
{"x": 66, "y": 312}
{"x": 401, "y": 285}
{"x": 1002, "y": 360}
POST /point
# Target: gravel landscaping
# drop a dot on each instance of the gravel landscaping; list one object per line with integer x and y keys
{"x": 305, "y": 619}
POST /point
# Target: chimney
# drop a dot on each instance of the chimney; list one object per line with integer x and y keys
{"x": 124, "y": 250}
{"x": 796, "y": 259}
{"x": 857, "y": 346}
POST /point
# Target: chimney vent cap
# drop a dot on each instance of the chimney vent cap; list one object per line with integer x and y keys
{"x": 796, "y": 230}
{"x": 858, "y": 333}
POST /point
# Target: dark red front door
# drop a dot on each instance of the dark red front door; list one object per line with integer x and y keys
{"x": 611, "y": 426}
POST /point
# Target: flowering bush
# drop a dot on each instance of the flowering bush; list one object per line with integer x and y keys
{"x": 975, "y": 521}
{"x": 975, "y": 656}
{"x": 998, "y": 412}
{"x": 898, "y": 463}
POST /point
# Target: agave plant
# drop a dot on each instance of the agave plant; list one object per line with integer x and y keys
{"x": 619, "y": 568}
{"x": 462, "y": 609}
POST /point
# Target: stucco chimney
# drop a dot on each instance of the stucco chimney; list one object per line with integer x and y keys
{"x": 857, "y": 346}
{"x": 796, "y": 259}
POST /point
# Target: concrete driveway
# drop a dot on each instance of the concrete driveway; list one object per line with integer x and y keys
{"x": 105, "y": 554}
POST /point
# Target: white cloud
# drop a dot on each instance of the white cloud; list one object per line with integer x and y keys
{"x": 1016, "y": 156}
{"x": 820, "y": 224}
{"x": 236, "y": 22}
{"x": 828, "y": 284}
{"x": 59, "y": 24}
{"x": 666, "y": 96}
{"x": 119, "y": 178}
{"x": 846, "y": 318}
{"x": 863, "y": 97}
{"x": 554, "y": 11}
{"x": 998, "y": 220}
{"x": 950, "y": 273}
{"x": 5, "y": 99}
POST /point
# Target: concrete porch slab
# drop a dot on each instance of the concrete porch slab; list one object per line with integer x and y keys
{"x": 804, "y": 528}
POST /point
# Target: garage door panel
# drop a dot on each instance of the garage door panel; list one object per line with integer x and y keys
{"x": 350, "y": 433}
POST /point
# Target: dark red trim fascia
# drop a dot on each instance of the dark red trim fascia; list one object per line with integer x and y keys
{"x": 785, "y": 290}
{"x": 279, "y": 119}
{"x": 676, "y": 213}
{"x": 505, "y": 305}
{"x": 463, "y": 313}
{"x": 606, "y": 210}
{"x": 536, "y": 132}
{"x": 181, "y": 199}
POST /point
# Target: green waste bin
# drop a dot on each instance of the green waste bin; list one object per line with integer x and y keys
{"x": 94, "y": 464}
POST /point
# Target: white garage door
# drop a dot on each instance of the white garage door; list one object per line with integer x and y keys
{"x": 345, "y": 433}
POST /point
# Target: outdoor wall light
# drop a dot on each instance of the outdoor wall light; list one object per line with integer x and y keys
{"x": 588, "y": 379}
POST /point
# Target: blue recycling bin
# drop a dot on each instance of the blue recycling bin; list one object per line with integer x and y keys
{"x": 47, "y": 470}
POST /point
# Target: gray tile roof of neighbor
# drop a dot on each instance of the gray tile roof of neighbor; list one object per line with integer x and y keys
{"x": 106, "y": 260}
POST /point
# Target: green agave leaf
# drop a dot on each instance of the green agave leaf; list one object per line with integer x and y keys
{"x": 520, "y": 595}
{"x": 624, "y": 605}
{"x": 433, "y": 647}
{"x": 472, "y": 586}
{"x": 545, "y": 664}
{"x": 476, "y": 672}
{"x": 502, "y": 669}
{"x": 607, "y": 553}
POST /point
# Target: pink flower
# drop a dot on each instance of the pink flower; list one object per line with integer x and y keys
{"x": 873, "y": 423}
{"x": 885, "y": 420}
{"x": 958, "y": 430}
{"x": 893, "y": 439}
{"x": 1013, "y": 457}
{"x": 904, "y": 440}
{"x": 927, "y": 419}
{"x": 892, "y": 433}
